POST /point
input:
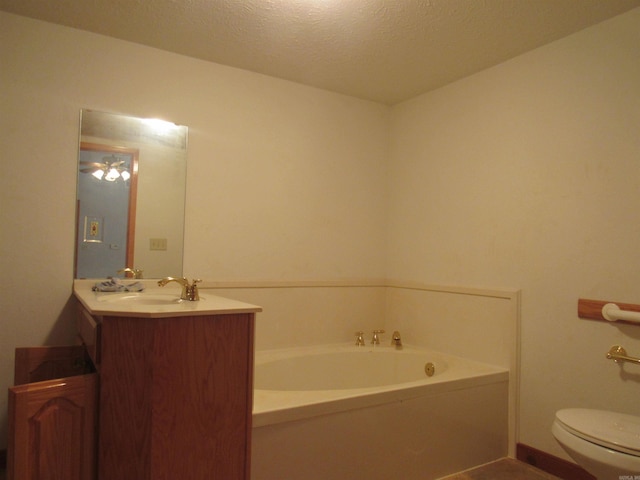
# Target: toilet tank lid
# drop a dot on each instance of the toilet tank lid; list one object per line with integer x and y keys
{"x": 613, "y": 430}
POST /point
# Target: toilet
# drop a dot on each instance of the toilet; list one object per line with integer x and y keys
{"x": 605, "y": 444}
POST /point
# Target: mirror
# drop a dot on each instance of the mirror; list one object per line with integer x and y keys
{"x": 130, "y": 196}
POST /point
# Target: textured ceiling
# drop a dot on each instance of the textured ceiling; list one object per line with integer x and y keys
{"x": 382, "y": 50}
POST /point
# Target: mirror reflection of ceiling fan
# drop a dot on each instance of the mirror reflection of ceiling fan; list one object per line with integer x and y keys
{"x": 110, "y": 169}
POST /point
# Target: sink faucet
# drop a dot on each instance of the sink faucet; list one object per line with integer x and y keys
{"x": 396, "y": 340}
{"x": 135, "y": 272}
{"x": 189, "y": 291}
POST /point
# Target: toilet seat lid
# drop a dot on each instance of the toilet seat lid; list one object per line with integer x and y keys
{"x": 616, "y": 431}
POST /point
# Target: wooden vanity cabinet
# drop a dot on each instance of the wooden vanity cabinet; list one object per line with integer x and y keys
{"x": 176, "y": 397}
{"x": 175, "y": 400}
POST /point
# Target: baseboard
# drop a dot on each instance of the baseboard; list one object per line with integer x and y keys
{"x": 551, "y": 464}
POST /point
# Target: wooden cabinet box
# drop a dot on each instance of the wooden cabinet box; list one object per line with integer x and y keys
{"x": 175, "y": 401}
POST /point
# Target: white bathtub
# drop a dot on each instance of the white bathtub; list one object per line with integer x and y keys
{"x": 346, "y": 412}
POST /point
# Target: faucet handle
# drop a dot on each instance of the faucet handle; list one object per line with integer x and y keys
{"x": 135, "y": 272}
{"x": 359, "y": 339}
{"x": 191, "y": 291}
{"x": 375, "y": 340}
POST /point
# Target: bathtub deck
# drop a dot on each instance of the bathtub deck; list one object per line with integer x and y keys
{"x": 504, "y": 469}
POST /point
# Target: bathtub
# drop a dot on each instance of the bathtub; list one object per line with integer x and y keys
{"x": 346, "y": 412}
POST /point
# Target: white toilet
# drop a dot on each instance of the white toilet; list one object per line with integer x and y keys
{"x": 605, "y": 444}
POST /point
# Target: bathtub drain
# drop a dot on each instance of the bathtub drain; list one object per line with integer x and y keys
{"x": 429, "y": 369}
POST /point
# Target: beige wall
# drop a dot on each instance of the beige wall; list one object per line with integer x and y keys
{"x": 284, "y": 181}
{"x": 525, "y": 176}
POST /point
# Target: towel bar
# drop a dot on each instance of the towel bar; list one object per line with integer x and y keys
{"x": 612, "y": 312}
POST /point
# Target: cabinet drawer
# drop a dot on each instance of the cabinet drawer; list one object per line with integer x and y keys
{"x": 89, "y": 330}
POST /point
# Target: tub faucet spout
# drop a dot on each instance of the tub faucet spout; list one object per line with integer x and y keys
{"x": 359, "y": 339}
{"x": 396, "y": 339}
{"x": 189, "y": 290}
{"x": 375, "y": 340}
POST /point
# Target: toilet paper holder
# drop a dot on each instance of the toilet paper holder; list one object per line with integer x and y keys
{"x": 619, "y": 354}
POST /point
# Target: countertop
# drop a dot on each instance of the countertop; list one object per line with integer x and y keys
{"x": 143, "y": 304}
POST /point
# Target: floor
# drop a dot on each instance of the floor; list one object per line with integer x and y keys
{"x": 504, "y": 469}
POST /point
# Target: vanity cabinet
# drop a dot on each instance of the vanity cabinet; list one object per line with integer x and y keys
{"x": 175, "y": 398}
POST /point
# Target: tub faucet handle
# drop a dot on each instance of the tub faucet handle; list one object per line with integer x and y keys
{"x": 359, "y": 339}
{"x": 375, "y": 340}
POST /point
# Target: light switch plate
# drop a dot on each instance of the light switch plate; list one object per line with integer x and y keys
{"x": 157, "y": 244}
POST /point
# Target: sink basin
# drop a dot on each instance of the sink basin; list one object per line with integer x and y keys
{"x": 142, "y": 298}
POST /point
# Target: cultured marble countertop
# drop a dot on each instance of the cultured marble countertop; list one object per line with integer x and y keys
{"x": 154, "y": 301}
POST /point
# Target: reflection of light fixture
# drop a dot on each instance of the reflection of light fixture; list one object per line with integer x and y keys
{"x": 159, "y": 127}
{"x": 112, "y": 175}
{"x": 111, "y": 169}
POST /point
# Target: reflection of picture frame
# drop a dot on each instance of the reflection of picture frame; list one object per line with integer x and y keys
{"x": 93, "y": 228}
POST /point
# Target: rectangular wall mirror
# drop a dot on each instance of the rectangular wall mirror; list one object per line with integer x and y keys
{"x": 130, "y": 196}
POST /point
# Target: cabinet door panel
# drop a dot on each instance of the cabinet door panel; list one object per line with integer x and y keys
{"x": 52, "y": 429}
{"x": 176, "y": 397}
{"x": 203, "y": 375}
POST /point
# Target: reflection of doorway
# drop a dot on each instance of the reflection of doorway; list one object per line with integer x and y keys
{"x": 106, "y": 212}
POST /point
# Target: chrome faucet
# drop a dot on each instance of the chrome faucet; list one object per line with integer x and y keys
{"x": 396, "y": 340}
{"x": 375, "y": 340}
{"x": 189, "y": 291}
{"x": 359, "y": 339}
{"x": 135, "y": 272}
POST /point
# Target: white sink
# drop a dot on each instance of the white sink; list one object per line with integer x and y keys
{"x": 141, "y": 298}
